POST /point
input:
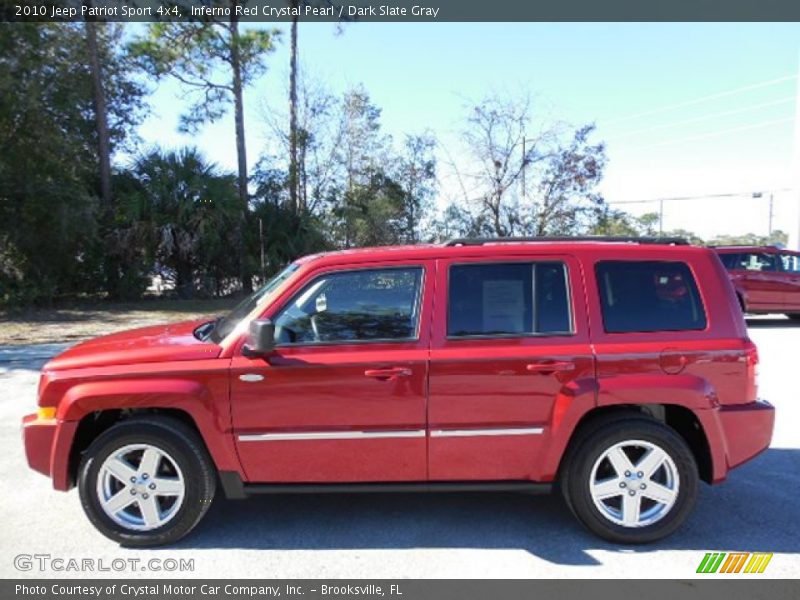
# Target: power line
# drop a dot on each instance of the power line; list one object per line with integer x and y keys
{"x": 724, "y": 94}
{"x": 717, "y": 133}
{"x": 702, "y": 196}
{"x": 701, "y": 118}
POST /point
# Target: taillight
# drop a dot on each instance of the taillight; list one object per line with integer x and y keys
{"x": 751, "y": 358}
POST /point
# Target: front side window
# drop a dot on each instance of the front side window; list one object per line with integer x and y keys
{"x": 353, "y": 306}
{"x": 508, "y": 299}
{"x": 645, "y": 296}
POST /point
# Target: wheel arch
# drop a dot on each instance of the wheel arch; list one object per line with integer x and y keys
{"x": 680, "y": 419}
{"x": 92, "y": 408}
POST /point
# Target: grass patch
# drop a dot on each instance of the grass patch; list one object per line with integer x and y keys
{"x": 80, "y": 321}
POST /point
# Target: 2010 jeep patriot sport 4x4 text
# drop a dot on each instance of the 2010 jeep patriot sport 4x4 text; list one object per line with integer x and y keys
{"x": 620, "y": 370}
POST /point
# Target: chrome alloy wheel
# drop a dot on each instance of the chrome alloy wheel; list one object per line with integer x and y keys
{"x": 140, "y": 487}
{"x": 634, "y": 483}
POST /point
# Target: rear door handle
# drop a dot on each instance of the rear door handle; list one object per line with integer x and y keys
{"x": 387, "y": 374}
{"x": 550, "y": 367}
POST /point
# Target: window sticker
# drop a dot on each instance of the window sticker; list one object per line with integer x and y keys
{"x": 503, "y": 306}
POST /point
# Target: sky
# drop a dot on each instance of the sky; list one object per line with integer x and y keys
{"x": 686, "y": 110}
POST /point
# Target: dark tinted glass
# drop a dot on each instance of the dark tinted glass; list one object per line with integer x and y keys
{"x": 648, "y": 296}
{"x": 729, "y": 260}
{"x": 353, "y": 306}
{"x": 552, "y": 298}
{"x": 508, "y": 299}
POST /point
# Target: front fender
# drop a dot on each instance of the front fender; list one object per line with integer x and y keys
{"x": 206, "y": 404}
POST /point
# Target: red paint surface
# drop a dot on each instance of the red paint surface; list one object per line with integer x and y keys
{"x": 441, "y": 383}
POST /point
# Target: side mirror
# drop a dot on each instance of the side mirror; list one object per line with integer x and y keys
{"x": 261, "y": 338}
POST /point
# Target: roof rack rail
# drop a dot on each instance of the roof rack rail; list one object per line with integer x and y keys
{"x": 767, "y": 246}
{"x": 676, "y": 241}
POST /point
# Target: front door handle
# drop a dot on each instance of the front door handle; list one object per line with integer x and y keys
{"x": 550, "y": 367}
{"x": 387, "y": 374}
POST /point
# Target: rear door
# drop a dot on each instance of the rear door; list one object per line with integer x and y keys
{"x": 509, "y": 339}
{"x": 760, "y": 275}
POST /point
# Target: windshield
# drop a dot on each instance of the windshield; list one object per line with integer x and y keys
{"x": 229, "y": 322}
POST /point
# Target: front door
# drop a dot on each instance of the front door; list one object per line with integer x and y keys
{"x": 508, "y": 344}
{"x": 343, "y": 397}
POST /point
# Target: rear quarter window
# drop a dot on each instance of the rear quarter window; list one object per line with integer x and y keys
{"x": 648, "y": 296}
{"x": 729, "y": 260}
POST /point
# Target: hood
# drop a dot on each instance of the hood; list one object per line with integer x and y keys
{"x": 160, "y": 343}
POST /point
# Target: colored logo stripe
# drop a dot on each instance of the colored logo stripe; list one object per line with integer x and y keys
{"x": 758, "y": 563}
{"x": 734, "y": 563}
{"x": 711, "y": 562}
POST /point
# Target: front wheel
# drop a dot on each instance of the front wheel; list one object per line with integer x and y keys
{"x": 633, "y": 481}
{"x": 146, "y": 481}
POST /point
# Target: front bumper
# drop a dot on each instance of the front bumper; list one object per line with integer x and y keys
{"x": 37, "y": 436}
{"x": 47, "y": 447}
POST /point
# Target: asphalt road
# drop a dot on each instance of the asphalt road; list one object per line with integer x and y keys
{"x": 436, "y": 535}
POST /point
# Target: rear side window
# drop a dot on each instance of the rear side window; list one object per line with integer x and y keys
{"x": 757, "y": 261}
{"x": 508, "y": 299}
{"x": 645, "y": 296}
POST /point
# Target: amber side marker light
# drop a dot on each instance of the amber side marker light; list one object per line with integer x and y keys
{"x": 45, "y": 413}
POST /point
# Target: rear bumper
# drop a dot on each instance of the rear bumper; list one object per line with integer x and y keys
{"x": 737, "y": 433}
{"x": 748, "y": 430}
{"x": 47, "y": 447}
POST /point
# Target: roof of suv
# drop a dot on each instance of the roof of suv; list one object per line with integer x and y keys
{"x": 768, "y": 249}
{"x": 493, "y": 246}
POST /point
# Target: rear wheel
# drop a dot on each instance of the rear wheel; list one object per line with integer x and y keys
{"x": 146, "y": 481}
{"x": 631, "y": 481}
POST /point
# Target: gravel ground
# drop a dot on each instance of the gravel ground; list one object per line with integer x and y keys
{"x": 437, "y": 535}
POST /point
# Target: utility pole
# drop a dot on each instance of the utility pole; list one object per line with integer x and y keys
{"x": 524, "y": 165}
{"x": 771, "y": 203}
{"x": 661, "y": 216}
{"x": 796, "y": 152}
{"x": 261, "y": 241}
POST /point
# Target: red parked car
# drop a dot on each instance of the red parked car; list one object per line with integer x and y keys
{"x": 619, "y": 369}
{"x": 766, "y": 278}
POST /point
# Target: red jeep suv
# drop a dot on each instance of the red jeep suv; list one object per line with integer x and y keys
{"x": 619, "y": 369}
{"x": 766, "y": 278}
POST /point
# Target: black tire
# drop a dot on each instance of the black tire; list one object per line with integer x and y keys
{"x": 182, "y": 445}
{"x": 586, "y": 450}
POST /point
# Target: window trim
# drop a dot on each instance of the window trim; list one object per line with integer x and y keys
{"x": 417, "y": 307}
{"x": 695, "y": 279}
{"x": 505, "y": 336}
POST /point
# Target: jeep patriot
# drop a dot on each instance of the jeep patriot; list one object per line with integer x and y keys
{"x": 618, "y": 371}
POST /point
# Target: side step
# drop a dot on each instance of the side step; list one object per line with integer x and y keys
{"x": 234, "y": 488}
